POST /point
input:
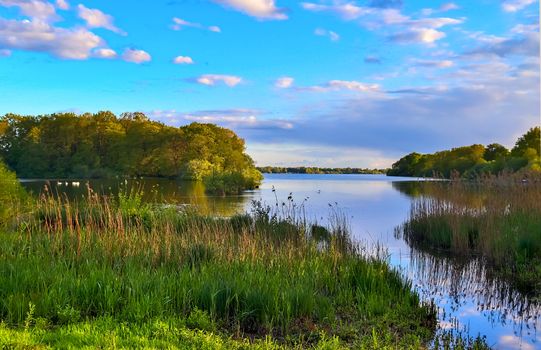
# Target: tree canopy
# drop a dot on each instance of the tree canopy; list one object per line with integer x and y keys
{"x": 473, "y": 160}
{"x": 66, "y": 145}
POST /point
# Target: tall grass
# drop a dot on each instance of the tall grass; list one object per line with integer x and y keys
{"x": 496, "y": 217}
{"x": 268, "y": 273}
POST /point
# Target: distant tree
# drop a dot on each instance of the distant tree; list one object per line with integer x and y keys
{"x": 473, "y": 160}
{"x": 495, "y": 151}
{"x": 405, "y": 166}
{"x": 532, "y": 139}
{"x": 102, "y": 145}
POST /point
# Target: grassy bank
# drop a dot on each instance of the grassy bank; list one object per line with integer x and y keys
{"x": 495, "y": 217}
{"x": 70, "y": 271}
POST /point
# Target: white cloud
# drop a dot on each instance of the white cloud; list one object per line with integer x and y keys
{"x": 62, "y": 4}
{"x": 260, "y": 9}
{"x": 515, "y": 5}
{"x": 449, "y": 6}
{"x": 327, "y": 33}
{"x": 525, "y": 28}
{"x": 337, "y": 85}
{"x": 346, "y": 11}
{"x": 443, "y": 8}
{"x": 418, "y": 35}
{"x": 352, "y": 85}
{"x": 104, "y": 53}
{"x": 136, "y": 56}
{"x": 525, "y": 43}
{"x": 239, "y": 121}
{"x": 391, "y": 21}
{"x": 213, "y": 79}
{"x": 94, "y": 18}
{"x": 183, "y": 60}
{"x": 33, "y": 8}
{"x": 179, "y": 23}
{"x": 433, "y": 22}
{"x": 36, "y": 35}
{"x": 240, "y": 118}
{"x": 284, "y": 82}
{"x": 434, "y": 63}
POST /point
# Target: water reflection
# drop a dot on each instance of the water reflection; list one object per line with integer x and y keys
{"x": 154, "y": 190}
{"x": 465, "y": 290}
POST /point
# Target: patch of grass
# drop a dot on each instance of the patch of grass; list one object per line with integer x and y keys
{"x": 497, "y": 218}
{"x": 77, "y": 271}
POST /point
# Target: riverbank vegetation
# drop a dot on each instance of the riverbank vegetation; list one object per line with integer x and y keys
{"x": 155, "y": 276}
{"x": 318, "y": 170}
{"x": 102, "y": 145}
{"x": 474, "y": 160}
{"x": 497, "y": 218}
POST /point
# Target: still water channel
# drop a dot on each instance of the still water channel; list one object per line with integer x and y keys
{"x": 469, "y": 299}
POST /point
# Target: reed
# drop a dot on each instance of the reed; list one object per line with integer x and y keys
{"x": 268, "y": 273}
{"x": 495, "y": 217}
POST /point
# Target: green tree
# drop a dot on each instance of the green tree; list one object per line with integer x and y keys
{"x": 495, "y": 151}
{"x": 532, "y": 139}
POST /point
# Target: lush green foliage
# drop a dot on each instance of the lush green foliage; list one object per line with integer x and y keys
{"x": 498, "y": 218}
{"x": 317, "y": 170}
{"x": 12, "y": 195}
{"x": 101, "y": 145}
{"x": 70, "y": 265}
{"x": 473, "y": 160}
{"x": 232, "y": 183}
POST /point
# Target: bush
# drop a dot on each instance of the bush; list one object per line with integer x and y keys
{"x": 232, "y": 183}
{"x": 11, "y": 194}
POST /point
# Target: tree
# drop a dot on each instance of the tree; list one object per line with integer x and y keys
{"x": 495, "y": 151}
{"x": 102, "y": 145}
{"x": 532, "y": 139}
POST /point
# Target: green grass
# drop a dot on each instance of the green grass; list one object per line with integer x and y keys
{"x": 498, "y": 219}
{"x": 71, "y": 271}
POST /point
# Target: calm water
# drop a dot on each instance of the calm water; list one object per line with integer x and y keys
{"x": 469, "y": 300}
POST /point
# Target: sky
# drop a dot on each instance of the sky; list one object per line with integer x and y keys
{"x": 315, "y": 83}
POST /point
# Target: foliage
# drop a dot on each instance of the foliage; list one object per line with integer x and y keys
{"x": 232, "y": 183}
{"x": 473, "y": 160}
{"x": 65, "y": 145}
{"x": 12, "y": 194}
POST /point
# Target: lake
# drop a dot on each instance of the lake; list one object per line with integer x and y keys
{"x": 469, "y": 299}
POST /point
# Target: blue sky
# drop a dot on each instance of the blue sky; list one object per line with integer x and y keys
{"x": 320, "y": 82}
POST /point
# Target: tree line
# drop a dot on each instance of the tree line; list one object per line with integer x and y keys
{"x": 474, "y": 160}
{"x": 318, "y": 170}
{"x": 99, "y": 145}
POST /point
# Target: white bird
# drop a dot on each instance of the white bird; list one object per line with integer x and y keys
{"x": 58, "y": 183}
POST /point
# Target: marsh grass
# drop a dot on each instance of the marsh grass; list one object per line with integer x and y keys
{"x": 268, "y": 273}
{"x": 497, "y": 218}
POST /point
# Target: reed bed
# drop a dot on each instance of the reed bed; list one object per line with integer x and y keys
{"x": 497, "y": 218}
{"x": 268, "y": 273}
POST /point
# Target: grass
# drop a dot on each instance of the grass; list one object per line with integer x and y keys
{"x": 71, "y": 272}
{"x": 497, "y": 218}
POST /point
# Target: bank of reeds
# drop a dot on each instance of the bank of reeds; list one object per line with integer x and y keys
{"x": 495, "y": 217}
{"x": 267, "y": 273}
